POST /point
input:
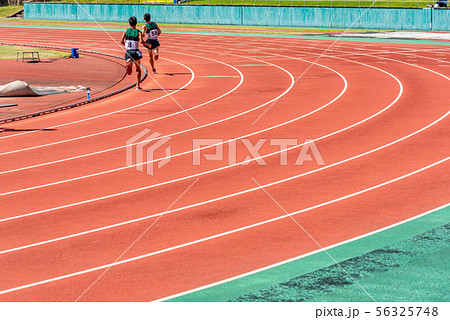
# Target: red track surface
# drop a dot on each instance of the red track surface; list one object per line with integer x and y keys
{"x": 70, "y": 204}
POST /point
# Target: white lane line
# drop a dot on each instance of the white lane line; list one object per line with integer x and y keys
{"x": 109, "y": 171}
{"x": 222, "y": 168}
{"x": 140, "y": 257}
{"x": 128, "y": 126}
{"x": 91, "y": 200}
{"x": 232, "y": 195}
{"x": 109, "y": 113}
{"x": 131, "y": 221}
{"x": 376, "y": 53}
{"x": 227, "y": 196}
{"x": 172, "y": 134}
{"x": 172, "y": 156}
{"x": 329, "y": 247}
{"x": 196, "y": 128}
{"x": 409, "y": 64}
{"x": 395, "y": 60}
{"x": 390, "y": 59}
{"x": 212, "y": 200}
{"x": 300, "y": 256}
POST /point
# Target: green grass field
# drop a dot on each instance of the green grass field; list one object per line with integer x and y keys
{"x": 10, "y": 52}
{"x": 8, "y": 10}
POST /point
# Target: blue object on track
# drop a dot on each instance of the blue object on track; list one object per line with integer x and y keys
{"x": 75, "y": 53}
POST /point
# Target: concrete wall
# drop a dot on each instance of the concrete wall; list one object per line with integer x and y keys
{"x": 361, "y": 18}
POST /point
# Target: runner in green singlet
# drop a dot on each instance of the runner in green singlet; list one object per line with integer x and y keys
{"x": 131, "y": 38}
{"x": 151, "y": 32}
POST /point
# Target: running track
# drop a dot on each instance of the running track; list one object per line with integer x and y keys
{"x": 378, "y": 113}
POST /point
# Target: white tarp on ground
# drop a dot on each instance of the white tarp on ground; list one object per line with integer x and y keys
{"x": 400, "y": 35}
{"x": 16, "y": 89}
{"x": 20, "y": 88}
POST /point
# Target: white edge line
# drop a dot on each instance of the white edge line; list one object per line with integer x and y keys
{"x": 300, "y": 256}
{"x": 217, "y": 199}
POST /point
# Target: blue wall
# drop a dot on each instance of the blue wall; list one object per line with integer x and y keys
{"x": 361, "y": 18}
{"x": 441, "y": 20}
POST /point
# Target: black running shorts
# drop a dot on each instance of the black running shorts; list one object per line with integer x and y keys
{"x": 134, "y": 55}
{"x": 151, "y": 43}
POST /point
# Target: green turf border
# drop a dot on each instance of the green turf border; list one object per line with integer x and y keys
{"x": 305, "y": 264}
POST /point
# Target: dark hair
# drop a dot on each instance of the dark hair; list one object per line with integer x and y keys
{"x": 132, "y": 21}
{"x": 147, "y": 17}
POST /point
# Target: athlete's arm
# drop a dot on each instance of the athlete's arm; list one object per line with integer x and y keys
{"x": 144, "y": 31}
{"x": 122, "y": 41}
{"x": 159, "y": 30}
{"x": 141, "y": 37}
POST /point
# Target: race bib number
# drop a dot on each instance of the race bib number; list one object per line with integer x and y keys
{"x": 153, "y": 33}
{"x": 131, "y": 45}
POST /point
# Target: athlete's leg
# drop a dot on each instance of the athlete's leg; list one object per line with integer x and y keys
{"x": 128, "y": 63}
{"x": 129, "y": 66}
{"x": 137, "y": 63}
{"x": 157, "y": 53}
{"x": 150, "y": 58}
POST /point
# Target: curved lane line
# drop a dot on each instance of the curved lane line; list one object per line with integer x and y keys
{"x": 135, "y": 124}
{"x": 227, "y": 196}
{"x": 232, "y": 195}
{"x": 172, "y": 156}
{"x": 222, "y": 168}
{"x": 267, "y": 185}
{"x": 140, "y": 257}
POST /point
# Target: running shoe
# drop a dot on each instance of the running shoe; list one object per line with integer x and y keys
{"x": 154, "y": 70}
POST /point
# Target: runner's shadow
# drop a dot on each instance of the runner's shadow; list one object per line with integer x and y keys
{"x": 175, "y": 74}
{"x": 150, "y": 90}
{"x": 20, "y": 130}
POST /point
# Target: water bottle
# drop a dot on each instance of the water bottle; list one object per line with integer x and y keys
{"x": 88, "y": 93}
